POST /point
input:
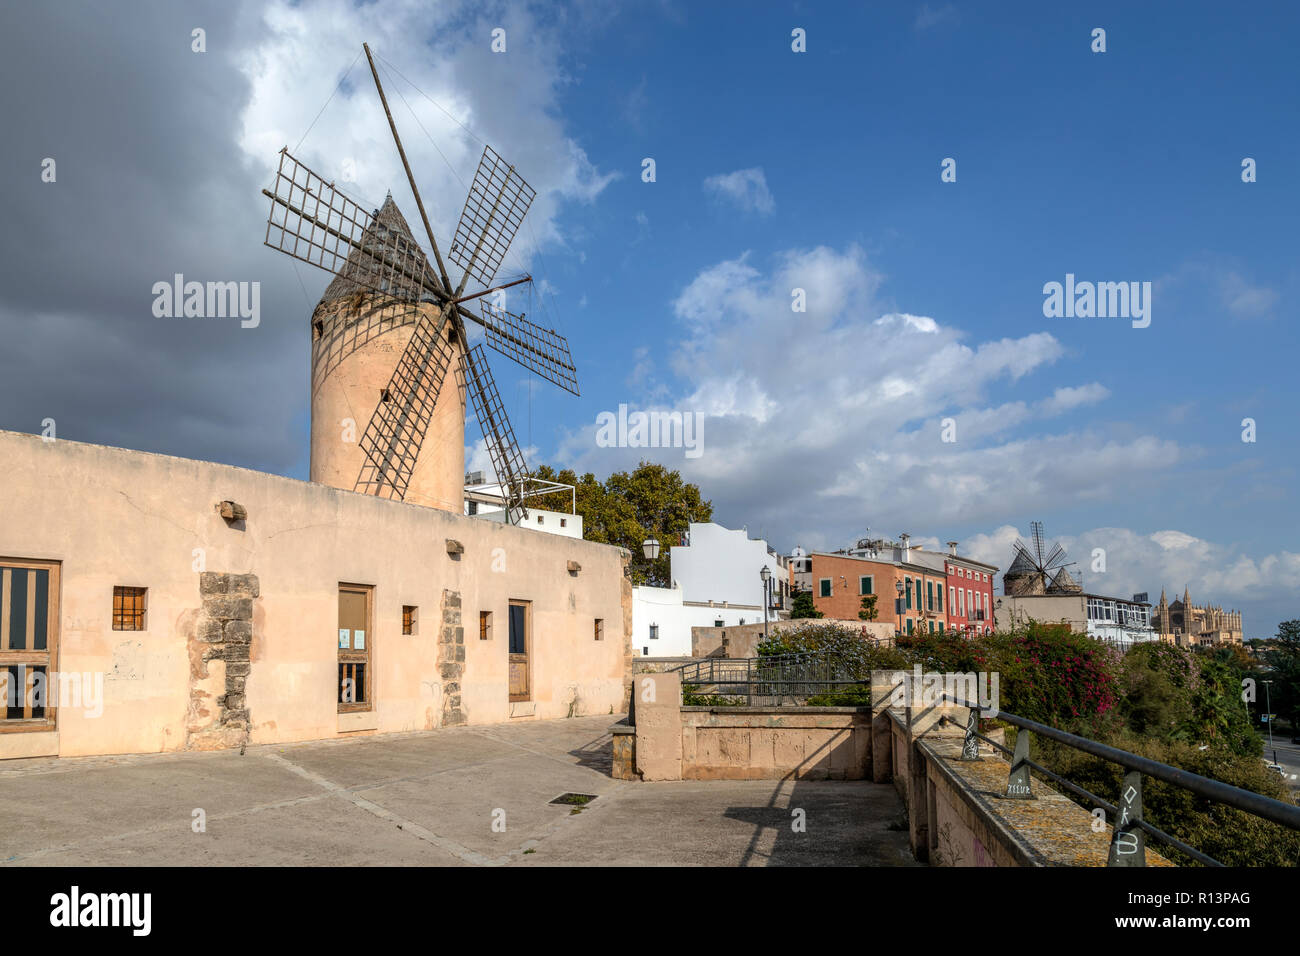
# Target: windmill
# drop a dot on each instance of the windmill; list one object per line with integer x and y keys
{"x": 1036, "y": 569}
{"x": 374, "y": 255}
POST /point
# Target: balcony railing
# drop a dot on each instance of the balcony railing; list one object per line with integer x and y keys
{"x": 1128, "y": 839}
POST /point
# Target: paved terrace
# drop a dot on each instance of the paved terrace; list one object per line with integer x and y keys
{"x": 428, "y": 799}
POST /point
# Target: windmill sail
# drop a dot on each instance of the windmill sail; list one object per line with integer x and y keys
{"x": 543, "y": 351}
{"x": 496, "y": 205}
{"x": 312, "y": 221}
{"x": 507, "y": 460}
{"x": 393, "y": 438}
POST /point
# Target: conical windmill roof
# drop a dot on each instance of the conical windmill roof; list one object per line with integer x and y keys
{"x": 1022, "y": 563}
{"x": 1064, "y": 582}
{"x": 391, "y": 218}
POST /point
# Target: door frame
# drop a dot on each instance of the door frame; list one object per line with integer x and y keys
{"x": 527, "y": 655}
{"x": 53, "y": 630}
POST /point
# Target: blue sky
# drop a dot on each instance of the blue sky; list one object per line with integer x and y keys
{"x": 774, "y": 170}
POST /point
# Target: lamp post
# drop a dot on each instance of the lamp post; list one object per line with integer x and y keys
{"x": 1268, "y": 713}
{"x": 650, "y": 548}
{"x": 898, "y": 607}
{"x": 766, "y": 575}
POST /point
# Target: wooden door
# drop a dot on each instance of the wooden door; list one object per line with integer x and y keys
{"x": 520, "y": 644}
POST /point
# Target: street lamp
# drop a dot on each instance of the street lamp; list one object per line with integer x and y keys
{"x": 1268, "y": 713}
{"x": 650, "y": 548}
{"x": 766, "y": 575}
{"x": 898, "y": 607}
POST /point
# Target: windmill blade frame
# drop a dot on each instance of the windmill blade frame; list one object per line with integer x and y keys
{"x": 312, "y": 221}
{"x": 395, "y": 433}
{"x": 1055, "y": 559}
{"x": 495, "y": 207}
{"x": 507, "y": 460}
{"x": 539, "y": 350}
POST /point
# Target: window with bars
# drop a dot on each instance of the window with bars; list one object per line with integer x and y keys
{"x": 29, "y": 622}
{"x": 128, "y": 608}
{"x": 600, "y": 629}
{"x": 408, "y": 618}
{"x": 355, "y": 692}
{"x": 485, "y": 625}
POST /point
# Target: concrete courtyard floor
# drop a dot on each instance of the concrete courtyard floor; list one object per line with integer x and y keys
{"x": 437, "y": 798}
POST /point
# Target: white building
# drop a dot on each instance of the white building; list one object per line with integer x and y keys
{"x": 484, "y": 500}
{"x": 718, "y": 564}
{"x": 662, "y": 620}
{"x": 716, "y": 582}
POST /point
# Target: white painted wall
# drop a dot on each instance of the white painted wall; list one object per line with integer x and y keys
{"x": 723, "y": 565}
{"x": 675, "y": 618}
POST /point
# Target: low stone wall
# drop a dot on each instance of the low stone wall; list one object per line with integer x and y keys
{"x": 742, "y": 640}
{"x": 956, "y": 809}
{"x": 658, "y": 665}
{"x": 624, "y": 741}
{"x": 776, "y": 743}
{"x": 672, "y": 742}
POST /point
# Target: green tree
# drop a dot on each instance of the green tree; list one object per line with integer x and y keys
{"x": 802, "y": 606}
{"x": 627, "y": 508}
{"x": 1284, "y": 671}
{"x": 868, "y": 610}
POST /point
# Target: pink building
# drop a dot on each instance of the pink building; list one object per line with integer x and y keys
{"x": 970, "y": 593}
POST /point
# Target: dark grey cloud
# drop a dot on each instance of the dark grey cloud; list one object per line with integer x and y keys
{"x": 150, "y": 183}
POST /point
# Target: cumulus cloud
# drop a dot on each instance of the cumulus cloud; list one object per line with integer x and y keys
{"x": 745, "y": 188}
{"x": 1121, "y": 562}
{"x": 162, "y": 154}
{"x": 818, "y": 423}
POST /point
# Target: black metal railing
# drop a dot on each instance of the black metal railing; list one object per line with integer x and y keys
{"x": 1129, "y": 829}
{"x": 774, "y": 679}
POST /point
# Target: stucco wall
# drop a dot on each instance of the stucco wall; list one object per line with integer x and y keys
{"x": 743, "y": 640}
{"x": 663, "y": 607}
{"x": 116, "y": 517}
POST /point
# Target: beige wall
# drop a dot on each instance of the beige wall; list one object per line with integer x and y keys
{"x": 1010, "y": 611}
{"x": 743, "y": 639}
{"x": 116, "y": 517}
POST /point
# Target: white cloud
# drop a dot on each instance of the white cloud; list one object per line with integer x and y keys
{"x": 824, "y": 421}
{"x": 1170, "y": 560}
{"x": 927, "y": 17}
{"x": 510, "y": 100}
{"x": 1244, "y": 299}
{"x": 747, "y": 188}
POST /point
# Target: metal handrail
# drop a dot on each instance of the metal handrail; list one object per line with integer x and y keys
{"x": 775, "y": 675}
{"x": 1130, "y": 814}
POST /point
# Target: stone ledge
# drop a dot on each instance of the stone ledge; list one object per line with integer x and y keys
{"x": 1051, "y": 830}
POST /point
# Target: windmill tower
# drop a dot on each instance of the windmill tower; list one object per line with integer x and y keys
{"x": 391, "y": 360}
{"x": 1037, "y": 570}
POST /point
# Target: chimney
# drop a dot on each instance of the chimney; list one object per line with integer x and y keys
{"x": 952, "y": 548}
{"x": 906, "y": 539}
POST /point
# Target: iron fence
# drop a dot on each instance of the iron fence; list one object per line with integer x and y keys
{"x": 772, "y": 680}
{"x": 1129, "y": 829}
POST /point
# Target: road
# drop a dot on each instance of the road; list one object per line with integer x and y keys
{"x": 1288, "y": 755}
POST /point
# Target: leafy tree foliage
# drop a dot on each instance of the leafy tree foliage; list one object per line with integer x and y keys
{"x": 802, "y": 606}
{"x": 627, "y": 508}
